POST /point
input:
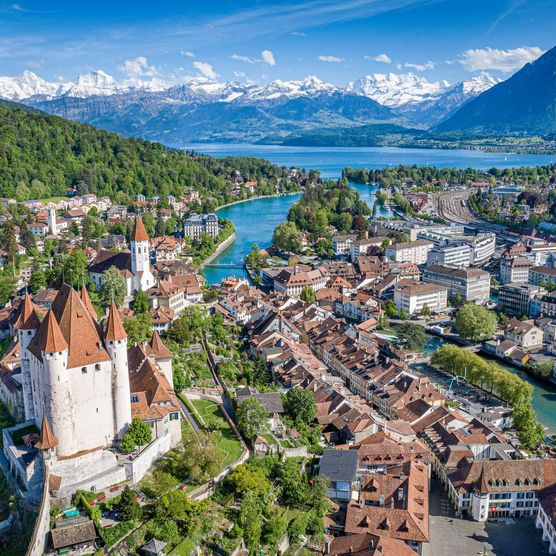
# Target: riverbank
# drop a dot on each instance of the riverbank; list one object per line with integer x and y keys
{"x": 240, "y": 201}
{"x": 221, "y": 247}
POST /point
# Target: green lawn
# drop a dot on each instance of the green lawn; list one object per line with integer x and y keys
{"x": 214, "y": 419}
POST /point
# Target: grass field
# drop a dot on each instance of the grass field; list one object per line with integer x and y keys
{"x": 213, "y": 419}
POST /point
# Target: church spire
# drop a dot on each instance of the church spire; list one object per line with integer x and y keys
{"x": 114, "y": 327}
{"x": 139, "y": 232}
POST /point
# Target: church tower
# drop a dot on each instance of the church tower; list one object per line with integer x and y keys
{"x": 27, "y": 325}
{"x": 115, "y": 338}
{"x": 143, "y": 278}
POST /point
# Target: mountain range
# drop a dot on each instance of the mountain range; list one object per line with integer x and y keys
{"x": 206, "y": 110}
{"x": 294, "y": 112}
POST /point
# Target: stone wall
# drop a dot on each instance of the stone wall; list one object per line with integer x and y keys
{"x": 39, "y": 539}
{"x": 137, "y": 468}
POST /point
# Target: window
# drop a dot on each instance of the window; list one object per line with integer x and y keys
{"x": 97, "y": 367}
{"x": 174, "y": 416}
{"x": 134, "y": 398}
{"x": 84, "y": 370}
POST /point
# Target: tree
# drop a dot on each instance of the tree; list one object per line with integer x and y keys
{"x": 390, "y": 308}
{"x": 140, "y": 302}
{"x": 245, "y": 479}
{"x": 190, "y": 326}
{"x": 113, "y": 288}
{"x": 37, "y": 281}
{"x": 425, "y": 311}
{"x": 543, "y": 369}
{"x": 252, "y": 418}
{"x": 294, "y": 486}
{"x": 403, "y": 314}
{"x": 414, "y": 336}
{"x": 75, "y": 268}
{"x": 139, "y": 328}
{"x": 308, "y": 294}
{"x": 201, "y": 459}
{"x": 139, "y": 434}
{"x": 287, "y": 237}
{"x": 300, "y": 406}
{"x": 254, "y": 258}
{"x": 7, "y": 289}
{"x": 474, "y": 322}
{"x": 128, "y": 506}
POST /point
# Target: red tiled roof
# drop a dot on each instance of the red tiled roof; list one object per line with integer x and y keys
{"x": 139, "y": 231}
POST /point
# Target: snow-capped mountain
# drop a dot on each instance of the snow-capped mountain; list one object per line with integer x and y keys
{"x": 197, "y": 108}
{"x": 394, "y": 90}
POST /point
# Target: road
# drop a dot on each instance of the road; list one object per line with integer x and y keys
{"x": 189, "y": 416}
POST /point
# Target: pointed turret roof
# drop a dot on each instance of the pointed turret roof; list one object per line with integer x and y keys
{"x": 81, "y": 331}
{"x": 27, "y": 319}
{"x": 481, "y": 485}
{"x": 157, "y": 347}
{"x": 49, "y": 337}
{"x": 139, "y": 232}
{"x": 47, "y": 440}
{"x": 114, "y": 327}
{"x": 87, "y": 302}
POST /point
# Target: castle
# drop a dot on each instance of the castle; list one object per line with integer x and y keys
{"x": 82, "y": 385}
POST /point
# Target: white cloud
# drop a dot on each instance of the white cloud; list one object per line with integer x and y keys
{"x": 495, "y": 59}
{"x": 421, "y": 67}
{"x": 399, "y": 66}
{"x": 240, "y": 74}
{"x": 331, "y": 59}
{"x": 188, "y": 53}
{"x": 243, "y": 58}
{"x": 384, "y": 58}
{"x": 298, "y": 34}
{"x": 138, "y": 67}
{"x": 205, "y": 69}
{"x": 268, "y": 57}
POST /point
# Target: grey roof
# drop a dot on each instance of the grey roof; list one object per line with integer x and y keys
{"x": 339, "y": 465}
{"x": 271, "y": 401}
{"x": 154, "y": 546}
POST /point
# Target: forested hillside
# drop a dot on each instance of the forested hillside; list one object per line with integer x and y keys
{"x": 41, "y": 156}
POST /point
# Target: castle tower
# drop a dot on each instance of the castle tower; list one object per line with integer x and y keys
{"x": 479, "y": 506}
{"x": 50, "y": 347}
{"x": 115, "y": 338}
{"x": 27, "y": 325}
{"x": 140, "y": 265}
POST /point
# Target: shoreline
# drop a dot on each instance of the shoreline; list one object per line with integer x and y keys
{"x": 221, "y": 247}
{"x": 240, "y": 201}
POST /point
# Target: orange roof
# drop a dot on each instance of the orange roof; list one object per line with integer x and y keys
{"x": 80, "y": 330}
{"x": 87, "y": 302}
{"x": 47, "y": 440}
{"x": 27, "y": 319}
{"x": 49, "y": 337}
{"x": 114, "y": 328}
{"x": 139, "y": 233}
{"x": 157, "y": 347}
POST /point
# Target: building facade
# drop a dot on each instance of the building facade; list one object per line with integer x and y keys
{"x": 471, "y": 284}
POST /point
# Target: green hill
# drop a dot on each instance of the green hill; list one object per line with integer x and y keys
{"x": 42, "y": 155}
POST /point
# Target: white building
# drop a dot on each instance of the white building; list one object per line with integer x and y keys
{"x": 412, "y": 296}
{"x": 342, "y": 244}
{"x": 292, "y": 281}
{"x": 411, "y": 252}
{"x": 515, "y": 269}
{"x": 450, "y": 255}
{"x": 197, "y": 224}
{"x": 363, "y": 247}
{"x": 471, "y": 284}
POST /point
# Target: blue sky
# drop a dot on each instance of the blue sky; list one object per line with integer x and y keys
{"x": 336, "y": 40}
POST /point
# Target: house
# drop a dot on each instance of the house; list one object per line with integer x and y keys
{"x": 292, "y": 281}
{"x": 470, "y": 284}
{"x": 515, "y": 269}
{"x": 523, "y": 333}
{"x": 271, "y": 401}
{"x": 339, "y": 467}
